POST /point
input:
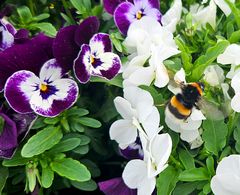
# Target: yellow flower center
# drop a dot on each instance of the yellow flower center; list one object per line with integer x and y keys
{"x": 139, "y": 15}
{"x": 43, "y": 87}
{"x": 92, "y": 60}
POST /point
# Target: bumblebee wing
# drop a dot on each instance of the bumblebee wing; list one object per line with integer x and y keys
{"x": 210, "y": 110}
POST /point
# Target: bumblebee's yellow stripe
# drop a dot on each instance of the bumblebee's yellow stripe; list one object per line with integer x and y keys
{"x": 198, "y": 88}
{"x": 181, "y": 108}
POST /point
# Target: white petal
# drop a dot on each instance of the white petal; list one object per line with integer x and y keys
{"x": 37, "y": 102}
{"x": 180, "y": 76}
{"x": 147, "y": 186}
{"x": 142, "y": 76}
{"x": 135, "y": 95}
{"x": 172, "y": 122}
{"x": 189, "y": 136}
{"x": 230, "y": 55}
{"x": 172, "y": 16}
{"x": 224, "y": 6}
{"x": 162, "y": 77}
{"x": 214, "y": 75}
{"x": 190, "y": 124}
{"x": 197, "y": 115}
{"x": 124, "y": 108}
{"x": 230, "y": 164}
{"x": 235, "y": 103}
{"x": 50, "y": 71}
{"x": 151, "y": 123}
{"x": 134, "y": 173}
{"x": 161, "y": 148}
{"x": 235, "y": 83}
{"x": 123, "y": 132}
{"x": 196, "y": 143}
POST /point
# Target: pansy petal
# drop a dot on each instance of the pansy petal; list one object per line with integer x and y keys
{"x": 189, "y": 136}
{"x": 235, "y": 102}
{"x": 60, "y": 99}
{"x": 65, "y": 49}
{"x": 235, "y": 82}
{"x": 82, "y": 64}
{"x": 230, "y": 55}
{"x": 7, "y": 39}
{"x": 100, "y": 43}
{"x": 50, "y": 71}
{"x": 29, "y": 55}
{"x": 86, "y": 30}
{"x": 222, "y": 4}
{"x": 152, "y": 3}
{"x": 21, "y": 36}
{"x": 123, "y": 131}
{"x": 110, "y": 5}
{"x": 197, "y": 115}
{"x": 162, "y": 77}
{"x": 124, "y": 108}
{"x": 110, "y": 66}
{"x": 19, "y": 88}
{"x": 121, "y": 16}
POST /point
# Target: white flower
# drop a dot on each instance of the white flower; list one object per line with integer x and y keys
{"x": 188, "y": 128}
{"x": 227, "y": 178}
{"x": 224, "y": 6}
{"x": 230, "y": 56}
{"x": 235, "y": 83}
{"x": 141, "y": 174}
{"x": 203, "y": 15}
{"x": 137, "y": 111}
{"x": 214, "y": 75}
{"x": 148, "y": 39}
{"x": 172, "y": 16}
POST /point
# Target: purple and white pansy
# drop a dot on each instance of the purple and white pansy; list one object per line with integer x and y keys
{"x": 97, "y": 59}
{"x": 7, "y": 32}
{"x": 47, "y": 95}
{"x": 127, "y": 12}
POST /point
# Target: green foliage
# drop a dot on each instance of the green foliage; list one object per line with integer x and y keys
{"x": 194, "y": 174}
{"x": 42, "y": 141}
{"x": 86, "y": 186}
{"x": 71, "y": 169}
{"x": 214, "y": 135}
{"x": 4, "y": 175}
{"x": 2, "y": 121}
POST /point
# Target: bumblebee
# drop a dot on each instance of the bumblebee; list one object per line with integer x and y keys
{"x": 181, "y": 104}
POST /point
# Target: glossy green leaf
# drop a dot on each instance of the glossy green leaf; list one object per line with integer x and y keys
{"x": 116, "y": 81}
{"x": 85, "y": 186}
{"x": 66, "y": 145}
{"x": 90, "y": 122}
{"x": 210, "y": 165}
{"x": 186, "y": 159}
{"x": 16, "y": 160}
{"x": 167, "y": 180}
{"x": 185, "y": 188}
{"x": 42, "y": 141}
{"x": 46, "y": 27}
{"x": 71, "y": 169}
{"x": 195, "y": 174}
{"x": 47, "y": 177}
{"x": 81, "y": 149}
{"x": 214, "y": 135}
{"x": 25, "y": 14}
{"x": 3, "y": 177}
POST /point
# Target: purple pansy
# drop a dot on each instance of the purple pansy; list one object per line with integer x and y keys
{"x": 111, "y": 5}
{"x": 116, "y": 186}
{"x": 133, "y": 151}
{"x": 128, "y": 12}
{"x": 29, "y": 55}
{"x": 69, "y": 39}
{"x": 97, "y": 59}
{"x": 47, "y": 95}
{"x": 16, "y": 127}
{"x": 7, "y": 32}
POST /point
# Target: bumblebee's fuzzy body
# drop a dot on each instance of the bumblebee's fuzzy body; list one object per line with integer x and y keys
{"x": 181, "y": 104}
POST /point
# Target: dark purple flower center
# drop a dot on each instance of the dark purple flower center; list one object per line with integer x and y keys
{"x": 140, "y": 14}
{"x": 47, "y": 90}
{"x": 95, "y": 61}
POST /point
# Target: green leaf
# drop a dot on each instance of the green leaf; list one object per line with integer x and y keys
{"x": 24, "y": 14}
{"x": 210, "y": 165}
{"x": 75, "y": 126}
{"x": 81, "y": 149}
{"x": 2, "y": 121}
{"x": 31, "y": 174}
{"x": 186, "y": 159}
{"x": 41, "y": 17}
{"x": 39, "y": 123}
{"x": 235, "y": 37}
{"x": 116, "y": 81}
{"x": 167, "y": 180}
{"x": 235, "y": 11}
{"x": 85, "y": 186}
{"x": 89, "y": 122}
{"x": 46, "y": 27}
{"x": 207, "y": 188}
{"x": 195, "y": 174}
{"x": 210, "y": 56}
{"x": 78, "y": 4}
{"x": 51, "y": 121}
{"x": 92, "y": 167}
{"x": 214, "y": 135}
{"x": 185, "y": 188}
{"x": 71, "y": 169}
{"x": 65, "y": 124}
{"x": 16, "y": 160}
{"x": 3, "y": 177}
{"x": 66, "y": 145}
{"x": 42, "y": 141}
{"x": 77, "y": 111}
{"x": 47, "y": 177}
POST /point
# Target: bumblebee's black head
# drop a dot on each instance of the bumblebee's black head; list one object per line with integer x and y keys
{"x": 192, "y": 92}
